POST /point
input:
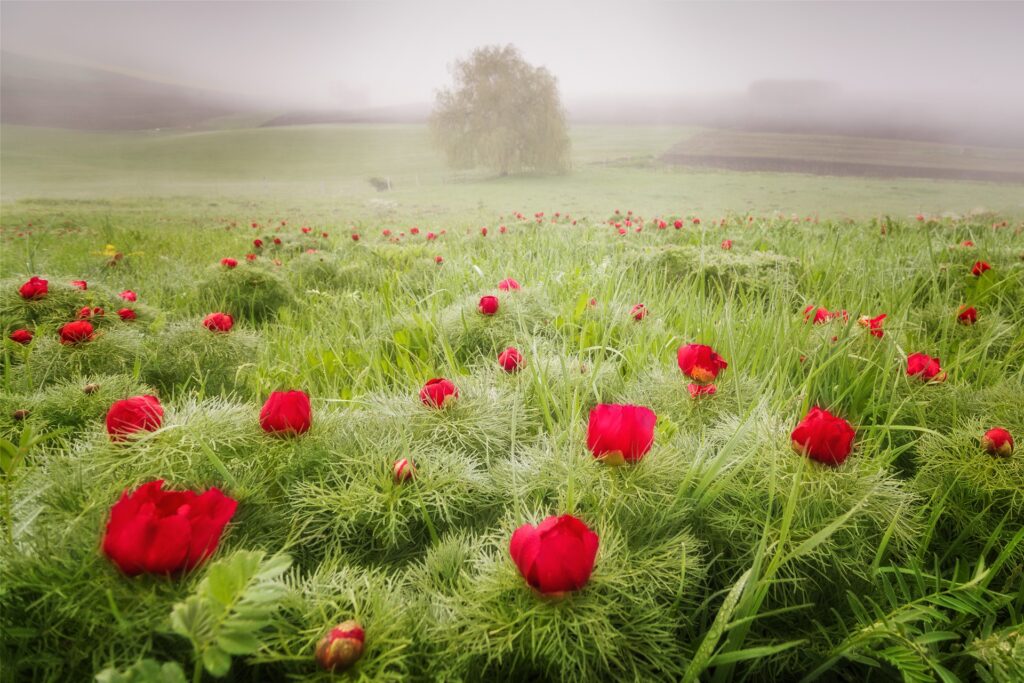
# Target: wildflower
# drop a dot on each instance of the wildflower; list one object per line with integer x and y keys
{"x": 618, "y": 434}
{"x": 638, "y": 312}
{"x": 228, "y": 263}
{"x": 874, "y": 325}
{"x": 823, "y": 437}
{"x": 700, "y": 362}
{"x": 76, "y": 332}
{"x": 35, "y": 288}
{"x": 135, "y": 414}
{"x": 925, "y": 367}
{"x": 488, "y": 305}
{"x": 508, "y": 284}
{"x": 555, "y": 556}
{"x": 286, "y": 412}
{"x": 511, "y": 360}
{"x": 436, "y": 392}
{"x": 998, "y": 441}
{"x": 341, "y": 647}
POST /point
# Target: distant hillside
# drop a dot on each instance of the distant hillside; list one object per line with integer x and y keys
{"x": 49, "y": 94}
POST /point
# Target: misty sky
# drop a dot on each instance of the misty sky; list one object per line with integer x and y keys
{"x": 354, "y": 54}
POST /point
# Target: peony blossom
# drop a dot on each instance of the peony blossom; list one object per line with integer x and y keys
{"x": 135, "y": 414}
{"x": 76, "y": 332}
{"x": 438, "y": 391}
{"x": 698, "y": 390}
{"x": 228, "y": 263}
{"x": 21, "y": 336}
{"x": 638, "y": 312}
{"x": 218, "y": 322}
{"x": 823, "y": 437}
{"x": 508, "y": 284}
{"x": 35, "y": 288}
{"x": 510, "y": 360}
{"x": 998, "y": 441}
{"x": 80, "y": 284}
{"x": 874, "y": 325}
{"x": 700, "y": 362}
{"x": 488, "y": 305}
{"x": 925, "y": 367}
{"x": 968, "y": 315}
{"x": 556, "y": 556}
{"x": 126, "y": 314}
{"x": 617, "y": 434}
{"x": 979, "y": 267}
{"x": 286, "y": 413}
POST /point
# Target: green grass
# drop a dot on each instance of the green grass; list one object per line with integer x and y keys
{"x": 723, "y": 555}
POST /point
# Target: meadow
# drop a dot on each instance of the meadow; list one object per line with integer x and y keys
{"x": 723, "y": 552}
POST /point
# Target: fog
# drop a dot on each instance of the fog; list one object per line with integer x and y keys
{"x": 956, "y": 63}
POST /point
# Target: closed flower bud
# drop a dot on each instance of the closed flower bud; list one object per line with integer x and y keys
{"x": 20, "y": 414}
{"x": 508, "y": 284}
{"x": 35, "y": 288}
{"x": 979, "y": 267}
{"x": 638, "y": 312}
{"x": 617, "y": 434}
{"x": 403, "y": 470}
{"x": 925, "y": 367}
{"x": 135, "y": 414}
{"x": 968, "y": 315}
{"x": 700, "y": 362}
{"x": 436, "y": 392}
{"x": 218, "y": 322}
{"x": 286, "y": 413}
{"x": 727, "y": 244}
{"x": 511, "y": 360}
{"x": 76, "y": 332}
{"x": 126, "y": 314}
{"x": 341, "y": 647}
{"x": 128, "y": 295}
{"x": 21, "y": 336}
{"x": 80, "y": 284}
{"x": 228, "y": 263}
{"x": 823, "y": 437}
{"x": 998, "y": 441}
{"x": 556, "y": 556}
{"x": 488, "y": 305}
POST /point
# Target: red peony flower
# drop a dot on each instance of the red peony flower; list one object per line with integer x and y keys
{"x": 874, "y": 325}
{"x": 967, "y": 243}
{"x": 700, "y": 362}
{"x": 511, "y": 360}
{"x": 823, "y": 315}
{"x": 436, "y": 392}
{"x": 386, "y": 232}
{"x": 508, "y": 284}
{"x": 228, "y": 263}
{"x": 287, "y": 413}
{"x": 159, "y": 532}
{"x": 277, "y": 240}
{"x": 502, "y": 229}
{"x": 76, "y": 332}
{"x": 21, "y": 336}
{"x": 968, "y": 315}
{"x": 35, "y": 288}
{"x": 483, "y": 231}
{"x": 696, "y": 221}
{"x": 698, "y": 390}
{"x": 403, "y": 470}
{"x": 306, "y": 230}
{"x": 998, "y": 441}
{"x": 218, "y": 322}
{"x": 924, "y": 366}
{"x": 677, "y": 224}
{"x": 823, "y": 437}
{"x": 341, "y": 647}
{"x": 126, "y": 314}
{"x": 438, "y": 260}
{"x": 555, "y": 556}
{"x": 257, "y": 243}
{"x": 135, "y": 414}
{"x": 727, "y": 244}
{"x": 355, "y": 237}
{"x": 979, "y": 267}
{"x": 638, "y": 312}
{"x": 250, "y": 257}
{"x": 86, "y": 312}
{"x": 80, "y": 284}
{"x": 488, "y": 305}
{"x": 617, "y": 434}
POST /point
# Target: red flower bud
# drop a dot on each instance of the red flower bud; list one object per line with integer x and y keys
{"x": 511, "y": 360}
{"x": 924, "y": 366}
{"x": 355, "y": 237}
{"x": 218, "y": 322}
{"x": 677, "y": 224}
{"x": 436, "y": 392}
{"x": 341, "y": 647}
{"x": 403, "y": 470}
{"x": 508, "y": 284}
{"x": 126, "y": 314}
{"x": 968, "y": 315}
{"x": 438, "y": 260}
{"x": 128, "y": 295}
{"x": 638, "y": 312}
{"x": 617, "y": 434}
{"x": 488, "y": 305}
{"x": 555, "y": 556}
{"x": 21, "y": 336}
{"x": 228, "y": 263}
{"x": 257, "y": 243}
{"x": 727, "y": 244}
{"x": 483, "y": 231}
{"x": 76, "y": 332}
{"x": 823, "y": 437}
{"x": 700, "y": 362}
{"x": 80, "y": 284}
{"x": 286, "y": 413}
{"x": 160, "y": 532}
{"x": 998, "y": 441}
{"x": 35, "y": 288}
{"x": 979, "y": 267}
{"x": 135, "y": 414}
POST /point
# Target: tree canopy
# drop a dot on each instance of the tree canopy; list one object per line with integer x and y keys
{"x": 501, "y": 113}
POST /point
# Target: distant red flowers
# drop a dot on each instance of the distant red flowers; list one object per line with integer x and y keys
{"x": 86, "y": 312}
{"x": 508, "y": 284}
{"x": 35, "y": 288}
{"x": 823, "y": 437}
{"x": 76, "y": 332}
{"x": 80, "y": 284}
{"x": 874, "y": 325}
{"x": 677, "y": 224}
{"x": 556, "y": 556}
{"x": 979, "y": 267}
{"x": 998, "y": 441}
{"x": 436, "y": 392}
{"x": 700, "y": 362}
{"x": 135, "y": 414}
{"x": 823, "y": 315}
{"x": 925, "y": 367}
{"x": 228, "y": 262}
{"x": 218, "y": 322}
{"x": 618, "y": 434}
{"x": 488, "y": 305}
{"x": 126, "y": 314}
{"x": 161, "y": 532}
{"x": 638, "y": 312}
{"x": 510, "y": 360}
{"x": 727, "y": 244}
{"x": 968, "y": 315}
{"x": 286, "y": 413}
{"x": 21, "y": 336}
{"x": 257, "y": 243}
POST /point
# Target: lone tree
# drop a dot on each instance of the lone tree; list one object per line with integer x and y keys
{"x": 501, "y": 113}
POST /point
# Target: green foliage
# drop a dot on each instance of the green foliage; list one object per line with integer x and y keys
{"x": 249, "y": 291}
{"x": 502, "y": 113}
{"x": 110, "y": 352}
{"x": 229, "y": 608}
{"x": 189, "y": 357}
{"x": 144, "y": 671}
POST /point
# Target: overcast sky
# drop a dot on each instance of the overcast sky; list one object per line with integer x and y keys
{"x": 352, "y": 54}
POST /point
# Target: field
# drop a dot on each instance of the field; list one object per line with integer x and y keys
{"x": 723, "y": 552}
